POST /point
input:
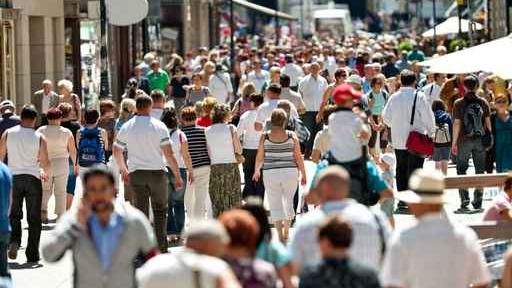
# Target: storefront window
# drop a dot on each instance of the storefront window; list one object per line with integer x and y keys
{"x": 90, "y": 62}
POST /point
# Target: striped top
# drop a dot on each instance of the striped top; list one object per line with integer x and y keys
{"x": 197, "y": 148}
{"x": 279, "y": 155}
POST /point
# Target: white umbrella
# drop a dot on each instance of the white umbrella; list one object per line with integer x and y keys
{"x": 451, "y": 26}
{"x": 493, "y": 57}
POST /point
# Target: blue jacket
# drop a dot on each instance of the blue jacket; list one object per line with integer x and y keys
{"x": 5, "y": 197}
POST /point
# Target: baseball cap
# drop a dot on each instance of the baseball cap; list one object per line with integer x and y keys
{"x": 354, "y": 79}
{"x": 345, "y": 92}
{"x": 6, "y": 104}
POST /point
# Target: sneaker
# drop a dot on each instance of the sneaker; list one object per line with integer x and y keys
{"x": 462, "y": 210}
{"x": 13, "y": 251}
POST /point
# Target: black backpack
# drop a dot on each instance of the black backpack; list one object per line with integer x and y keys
{"x": 473, "y": 118}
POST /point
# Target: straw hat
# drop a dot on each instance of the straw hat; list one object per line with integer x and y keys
{"x": 427, "y": 187}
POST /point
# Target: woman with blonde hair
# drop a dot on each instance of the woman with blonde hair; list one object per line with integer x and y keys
{"x": 275, "y": 78}
{"x": 224, "y": 150}
{"x": 208, "y": 70}
{"x": 207, "y": 106}
{"x": 243, "y": 103}
{"x": 280, "y": 157}
{"x": 67, "y": 96}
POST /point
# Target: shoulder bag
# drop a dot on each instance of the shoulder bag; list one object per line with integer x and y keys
{"x": 418, "y": 143}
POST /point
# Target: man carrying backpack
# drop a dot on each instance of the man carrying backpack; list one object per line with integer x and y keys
{"x": 471, "y": 137}
{"x": 92, "y": 141}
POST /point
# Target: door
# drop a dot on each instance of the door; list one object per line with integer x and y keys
{"x": 7, "y": 61}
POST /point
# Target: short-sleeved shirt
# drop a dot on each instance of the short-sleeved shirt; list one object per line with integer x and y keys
{"x": 178, "y": 138}
{"x": 8, "y": 121}
{"x": 375, "y": 180}
{"x": 265, "y": 111}
{"x": 500, "y": 204}
{"x": 158, "y": 80}
{"x": 345, "y": 126}
{"x": 177, "y": 87}
{"x": 273, "y": 252}
{"x": 461, "y": 103}
{"x": 322, "y": 141}
{"x": 143, "y": 137}
{"x": 197, "y": 147}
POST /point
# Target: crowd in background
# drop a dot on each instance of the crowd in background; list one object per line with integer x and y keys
{"x": 182, "y": 136}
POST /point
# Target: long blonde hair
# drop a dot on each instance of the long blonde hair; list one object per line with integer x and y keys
{"x": 126, "y": 109}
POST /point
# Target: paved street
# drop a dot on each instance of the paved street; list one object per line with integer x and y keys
{"x": 59, "y": 275}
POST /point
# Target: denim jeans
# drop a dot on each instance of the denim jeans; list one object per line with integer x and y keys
{"x": 71, "y": 183}
{"x": 470, "y": 148}
{"x": 176, "y": 203}
{"x": 251, "y": 188}
{"x": 29, "y": 188}
{"x": 4, "y": 245}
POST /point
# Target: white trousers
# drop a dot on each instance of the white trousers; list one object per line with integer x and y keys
{"x": 56, "y": 185}
{"x": 280, "y": 187}
{"x": 197, "y": 197}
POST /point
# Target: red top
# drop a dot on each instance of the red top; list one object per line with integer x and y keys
{"x": 205, "y": 121}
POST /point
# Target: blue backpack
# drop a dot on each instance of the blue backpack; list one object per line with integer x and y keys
{"x": 90, "y": 148}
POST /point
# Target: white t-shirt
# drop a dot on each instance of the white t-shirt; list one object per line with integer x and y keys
{"x": 220, "y": 86}
{"x": 312, "y": 91}
{"x": 23, "y": 148}
{"x": 344, "y": 129}
{"x": 220, "y": 144}
{"x": 176, "y": 270}
{"x": 265, "y": 110}
{"x": 157, "y": 113}
{"x": 178, "y": 138}
{"x": 258, "y": 79}
{"x": 432, "y": 92}
{"x": 143, "y": 137}
{"x": 251, "y": 137}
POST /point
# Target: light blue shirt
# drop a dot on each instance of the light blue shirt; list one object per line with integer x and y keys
{"x": 106, "y": 238}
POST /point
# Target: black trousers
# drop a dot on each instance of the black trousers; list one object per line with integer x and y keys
{"x": 309, "y": 119}
{"x": 29, "y": 188}
{"x": 251, "y": 188}
{"x": 406, "y": 163}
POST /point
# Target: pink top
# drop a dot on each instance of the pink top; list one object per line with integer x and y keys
{"x": 501, "y": 203}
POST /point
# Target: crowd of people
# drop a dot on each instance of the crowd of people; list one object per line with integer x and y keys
{"x": 182, "y": 136}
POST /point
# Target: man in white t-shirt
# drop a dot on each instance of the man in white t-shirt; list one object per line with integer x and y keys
{"x": 258, "y": 76}
{"x": 433, "y": 90}
{"x": 293, "y": 71}
{"x": 148, "y": 143}
{"x": 220, "y": 85}
{"x": 28, "y": 161}
{"x": 312, "y": 88}
{"x": 265, "y": 110}
{"x": 250, "y": 142}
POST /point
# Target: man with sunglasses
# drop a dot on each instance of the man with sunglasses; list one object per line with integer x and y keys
{"x": 105, "y": 236}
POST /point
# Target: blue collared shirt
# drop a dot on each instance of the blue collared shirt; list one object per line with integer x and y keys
{"x": 106, "y": 238}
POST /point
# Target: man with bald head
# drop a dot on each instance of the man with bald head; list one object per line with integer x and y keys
{"x": 371, "y": 230}
{"x": 43, "y": 100}
{"x": 200, "y": 261}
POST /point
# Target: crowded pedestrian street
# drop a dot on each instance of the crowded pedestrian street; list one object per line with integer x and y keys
{"x": 255, "y": 144}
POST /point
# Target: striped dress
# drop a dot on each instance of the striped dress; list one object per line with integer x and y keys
{"x": 279, "y": 155}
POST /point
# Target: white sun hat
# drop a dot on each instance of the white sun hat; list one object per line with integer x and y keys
{"x": 426, "y": 187}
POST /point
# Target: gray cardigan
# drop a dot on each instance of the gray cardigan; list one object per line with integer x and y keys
{"x": 136, "y": 239}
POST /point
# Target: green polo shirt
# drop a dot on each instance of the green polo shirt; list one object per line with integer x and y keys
{"x": 158, "y": 80}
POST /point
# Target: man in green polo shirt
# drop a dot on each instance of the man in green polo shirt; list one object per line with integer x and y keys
{"x": 158, "y": 78}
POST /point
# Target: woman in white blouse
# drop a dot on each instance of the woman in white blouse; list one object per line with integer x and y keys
{"x": 223, "y": 145}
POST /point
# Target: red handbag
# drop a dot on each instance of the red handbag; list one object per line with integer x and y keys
{"x": 418, "y": 143}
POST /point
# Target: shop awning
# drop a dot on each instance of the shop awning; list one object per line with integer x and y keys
{"x": 264, "y": 10}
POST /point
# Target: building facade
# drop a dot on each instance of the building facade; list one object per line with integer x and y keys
{"x": 32, "y": 47}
